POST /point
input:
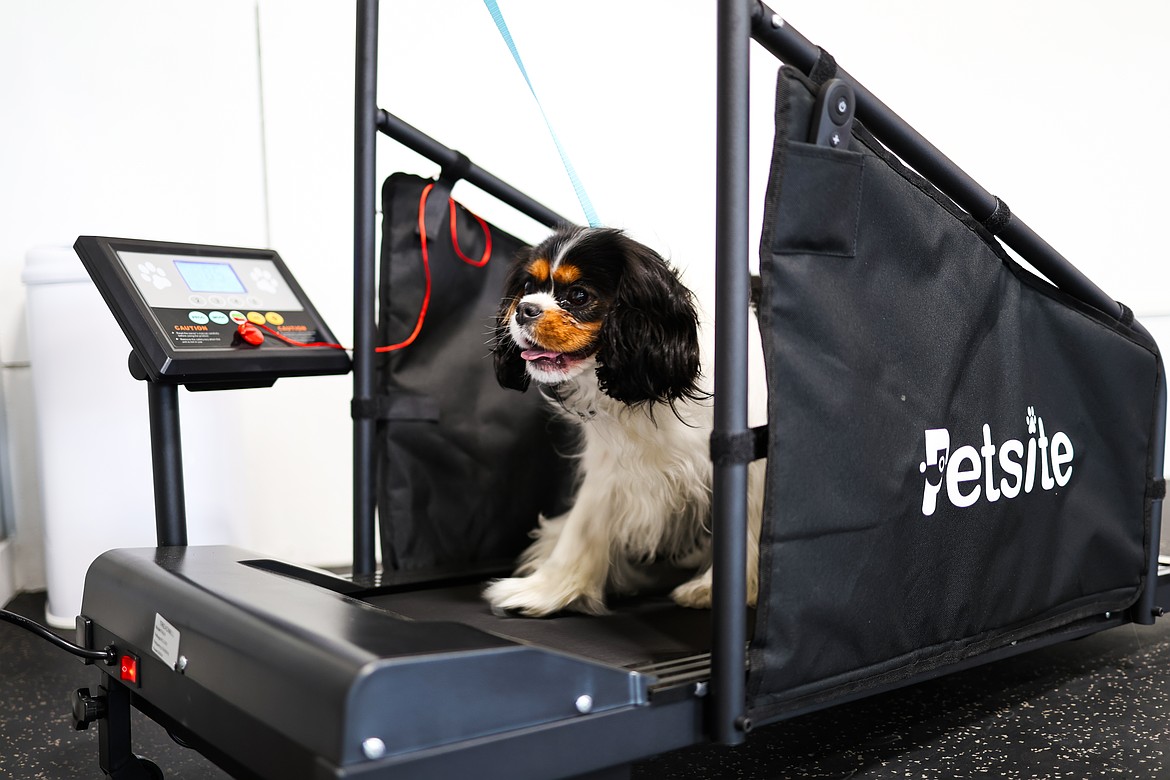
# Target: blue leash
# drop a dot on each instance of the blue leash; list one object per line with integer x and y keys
{"x": 586, "y": 204}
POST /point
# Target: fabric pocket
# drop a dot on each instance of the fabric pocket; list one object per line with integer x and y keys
{"x": 820, "y": 198}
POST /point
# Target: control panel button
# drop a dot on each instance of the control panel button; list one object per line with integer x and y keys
{"x": 256, "y": 317}
{"x": 198, "y": 317}
{"x": 237, "y": 317}
{"x": 218, "y": 317}
{"x": 274, "y": 318}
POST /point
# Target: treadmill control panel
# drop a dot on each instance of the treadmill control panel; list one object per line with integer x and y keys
{"x": 205, "y": 315}
{"x": 199, "y": 303}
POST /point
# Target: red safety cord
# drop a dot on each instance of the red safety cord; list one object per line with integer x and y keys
{"x": 422, "y": 231}
{"x": 294, "y": 342}
{"x": 422, "y": 312}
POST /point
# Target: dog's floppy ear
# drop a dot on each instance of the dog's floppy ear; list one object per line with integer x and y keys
{"x": 510, "y": 372}
{"x": 649, "y": 345}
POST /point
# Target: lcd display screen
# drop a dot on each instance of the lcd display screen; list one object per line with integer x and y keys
{"x": 209, "y": 277}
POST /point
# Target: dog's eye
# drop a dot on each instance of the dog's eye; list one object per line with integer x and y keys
{"x": 529, "y": 286}
{"x": 577, "y": 296}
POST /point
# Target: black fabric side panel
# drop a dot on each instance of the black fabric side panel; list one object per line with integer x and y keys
{"x": 465, "y": 488}
{"x": 958, "y": 457}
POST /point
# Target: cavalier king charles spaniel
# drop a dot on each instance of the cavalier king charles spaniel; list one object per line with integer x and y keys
{"x": 604, "y": 327}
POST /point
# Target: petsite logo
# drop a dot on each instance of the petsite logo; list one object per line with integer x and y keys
{"x": 993, "y": 471}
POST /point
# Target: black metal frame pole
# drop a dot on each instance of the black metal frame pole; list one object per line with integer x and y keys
{"x": 787, "y": 44}
{"x": 1146, "y": 610}
{"x": 166, "y": 450}
{"x": 729, "y": 484}
{"x": 364, "y": 335}
{"x": 418, "y": 141}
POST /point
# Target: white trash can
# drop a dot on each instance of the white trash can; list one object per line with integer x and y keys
{"x": 93, "y": 433}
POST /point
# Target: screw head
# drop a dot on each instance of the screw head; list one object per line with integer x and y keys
{"x": 777, "y": 21}
{"x": 181, "y": 664}
{"x": 372, "y": 748}
{"x": 584, "y": 703}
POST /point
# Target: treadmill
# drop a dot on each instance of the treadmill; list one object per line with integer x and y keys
{"x": 275, "y": 670}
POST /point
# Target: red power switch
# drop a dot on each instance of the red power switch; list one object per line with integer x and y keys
{"x": 129, "y": 669}
{"x": 251, "y": 334}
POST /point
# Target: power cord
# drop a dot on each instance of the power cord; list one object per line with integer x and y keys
{"x": 107, "y": 656}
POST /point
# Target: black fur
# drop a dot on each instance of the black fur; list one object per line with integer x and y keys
{"x": 510, "y": 371}
{"x": 648, "y": 348}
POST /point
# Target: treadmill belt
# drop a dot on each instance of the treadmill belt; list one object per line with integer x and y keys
{"x": 639, "y": 632}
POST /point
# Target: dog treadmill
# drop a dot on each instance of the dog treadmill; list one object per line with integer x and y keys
{"x": 273, "y": 670}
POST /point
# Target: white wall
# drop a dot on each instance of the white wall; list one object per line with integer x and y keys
{"x": 144, "y": 119}
{"x": 135, "y": 119}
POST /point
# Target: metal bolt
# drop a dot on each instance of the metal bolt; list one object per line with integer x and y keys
{"x": 835, "y": 140}
{"x": 373, "y": 748}
{"x": 1108, "y": 615}
{"x": 842, "y": 106}
{"x": 700, "y": 689}
{"x": 777, "y": 21}
{"x": 584, "y": 703}
{"x": 181, "y": 664}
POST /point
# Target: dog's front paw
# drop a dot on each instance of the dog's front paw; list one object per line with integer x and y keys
{"x": 539, "y": 596}
{"x": 695, "y": 594}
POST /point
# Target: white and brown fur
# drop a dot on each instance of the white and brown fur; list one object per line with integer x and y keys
{"x": 604, "y": 326}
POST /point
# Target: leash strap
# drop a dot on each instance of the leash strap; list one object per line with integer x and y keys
{"x": 586, "y": 204}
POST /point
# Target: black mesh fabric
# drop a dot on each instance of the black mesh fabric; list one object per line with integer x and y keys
{"x": 959, "y": 454}
{"x": 464, "y": 466}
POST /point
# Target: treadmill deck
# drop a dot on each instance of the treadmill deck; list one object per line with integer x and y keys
{"x": 651, "y": 634}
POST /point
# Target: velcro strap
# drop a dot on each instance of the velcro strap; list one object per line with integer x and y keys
{"x": 400, "y": 406}
{"x": 999, "y": 218}
{"x": 436, "y": 207}
{"x": 1157, "y": 489}
{"x": 823, "y": 69}
{"x": 729, "y": 449}
{"x": 456, "y": 169}
{"x": 440, "y": 194}
{"x": 1126, "y": 317}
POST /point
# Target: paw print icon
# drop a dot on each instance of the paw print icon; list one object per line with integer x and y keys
{"x": 152, "y": 274}
{"x": 264, "y": 280}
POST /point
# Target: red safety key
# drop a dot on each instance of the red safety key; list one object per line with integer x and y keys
{"x": 251, "y": 334}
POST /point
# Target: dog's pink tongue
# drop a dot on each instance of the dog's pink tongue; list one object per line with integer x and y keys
{"x": 537, "y": 354}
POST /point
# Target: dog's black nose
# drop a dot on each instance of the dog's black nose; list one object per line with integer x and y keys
{"x": 526, "y": 312}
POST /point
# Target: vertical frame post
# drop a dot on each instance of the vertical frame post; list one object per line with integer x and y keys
{"x": 731, "y": 372}
{"x": 1147, "y": 609}
{"x": 365, "y": 190}
{"x": 166, "y": 448}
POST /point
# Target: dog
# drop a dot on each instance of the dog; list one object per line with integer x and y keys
{"x": 604, "y": 327}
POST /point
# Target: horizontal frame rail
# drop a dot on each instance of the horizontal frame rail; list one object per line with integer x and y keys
{"x": 418, "y": 141}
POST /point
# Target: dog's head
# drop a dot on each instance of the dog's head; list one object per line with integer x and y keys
{"x": 593, "y": 299}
